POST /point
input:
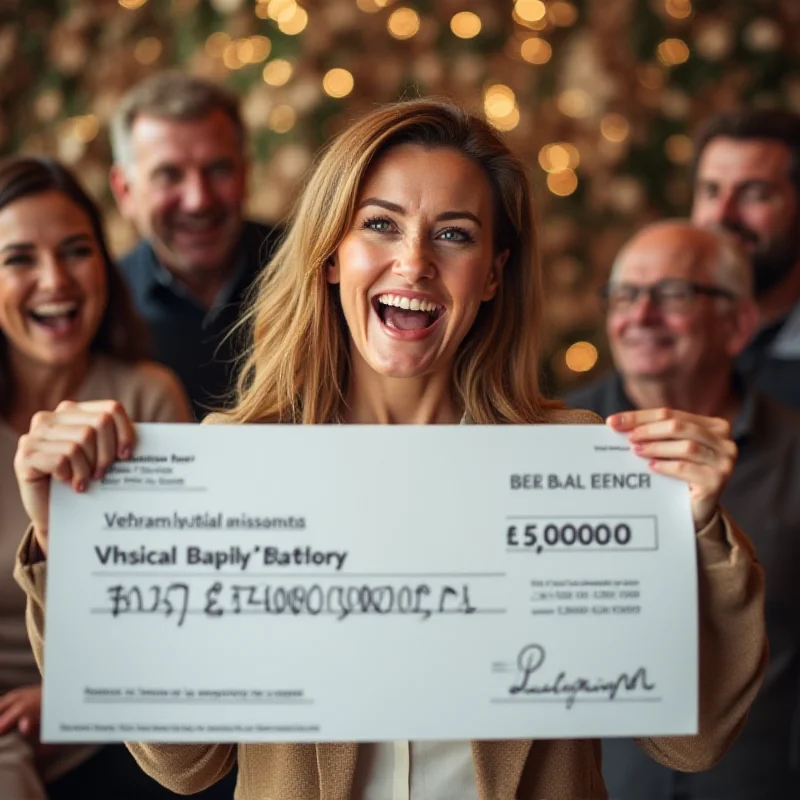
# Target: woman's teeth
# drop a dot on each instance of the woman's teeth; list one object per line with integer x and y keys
{"x": 49, "y": 310}
{"x": 414, "y": 304}
{"x": 57, "y": 317}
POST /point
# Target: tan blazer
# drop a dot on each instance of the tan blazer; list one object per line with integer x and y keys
{"x": 733, "y": 656}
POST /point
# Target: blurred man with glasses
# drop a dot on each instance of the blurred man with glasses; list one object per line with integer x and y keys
{"x": 679, "y": 312}
{"x": 747, "y": 180}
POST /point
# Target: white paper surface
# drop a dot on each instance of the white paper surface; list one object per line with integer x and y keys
{"x": 368, "y": 583}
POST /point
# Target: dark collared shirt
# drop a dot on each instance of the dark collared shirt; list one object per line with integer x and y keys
{"x": 186, "y": 337}
{"x": 763, "y": 496}
{"x": 772, "y": 359}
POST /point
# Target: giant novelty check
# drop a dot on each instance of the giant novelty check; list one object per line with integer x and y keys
{"x": 367, "y": 583}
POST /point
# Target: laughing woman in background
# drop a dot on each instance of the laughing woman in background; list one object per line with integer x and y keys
{"x": 67, "y": 334}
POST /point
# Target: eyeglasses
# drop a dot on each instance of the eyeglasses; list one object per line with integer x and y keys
{"x": 669, "y": 295}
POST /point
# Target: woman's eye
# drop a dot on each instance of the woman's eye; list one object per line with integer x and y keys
{"x": 78, "y": 253}
{"x": 379, "y": 224}
{"x": 456, "y": 235}
{"x": 18, "y": 260}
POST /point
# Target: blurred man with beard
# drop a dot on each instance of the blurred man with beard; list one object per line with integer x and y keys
{"x": 747, "y": 180}
{"x": 179, "y": 176}
{"x": 680, "y": 310}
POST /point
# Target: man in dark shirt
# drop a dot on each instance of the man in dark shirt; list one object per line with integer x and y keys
{"x": 179, "y": 175}
{"x": 747, "y": 180}
{"x": 679, "y": 312}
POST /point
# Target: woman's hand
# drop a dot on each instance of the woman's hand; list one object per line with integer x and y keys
{"x": 73, "y": 444}
{"x": 21, "y": 708}
{"x": 690, "y": 447}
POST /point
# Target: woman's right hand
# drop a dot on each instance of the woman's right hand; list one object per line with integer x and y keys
{"x": 73, "y": 444}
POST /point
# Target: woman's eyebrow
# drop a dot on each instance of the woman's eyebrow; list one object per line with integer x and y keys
{"x": 446, "y": 215}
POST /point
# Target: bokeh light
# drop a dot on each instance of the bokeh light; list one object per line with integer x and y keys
{"x": 536, "y": 50}
{"x": 148, "y": 50}
{"x": 294, "y": 24}
{"x": 403, "y": 23}
{"x": 614, "y": 127}
{"x": 338, "y": 82}
{"x": 559, "y": 156}
{"x": 282, "y": 118}
{"x": 678, "y": 9}
{"x": 277, "y": 72}
{"x": 465, "y": 25}
{"x": 672, "y": 52}
{"x": 679, "y": 149}
{"x": 530, "y": 10}
{"x": 581, "y": 356}
{"x": 562, "y": 14}
{"x": 563, "y": 183}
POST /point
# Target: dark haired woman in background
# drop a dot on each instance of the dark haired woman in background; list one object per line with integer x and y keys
{"x": 67, "y": 334}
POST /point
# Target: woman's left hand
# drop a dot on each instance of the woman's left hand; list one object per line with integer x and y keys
{"x": 21, "y": 708}
{"x": 695, "y": 449}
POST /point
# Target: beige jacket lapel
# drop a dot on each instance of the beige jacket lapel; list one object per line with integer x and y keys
{"x": 498, "y": 767}
{"x": 336, "y": 764}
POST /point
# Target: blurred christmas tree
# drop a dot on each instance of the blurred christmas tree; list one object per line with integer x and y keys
{"x": 599, "y": 97}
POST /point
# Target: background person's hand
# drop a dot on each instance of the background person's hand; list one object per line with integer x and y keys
{"x": 73, "y": 444}
{"x": 22, "y": 709}
{"x": 693, "y": 448}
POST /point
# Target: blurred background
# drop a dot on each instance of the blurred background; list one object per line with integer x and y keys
{"x": 598, "y": 97}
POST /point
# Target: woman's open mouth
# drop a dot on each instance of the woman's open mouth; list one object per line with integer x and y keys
{"x": 58, "y": 317}
{"x": 406, "y": 314}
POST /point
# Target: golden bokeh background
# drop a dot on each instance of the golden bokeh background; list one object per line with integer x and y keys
{"x": 598, "y": 97}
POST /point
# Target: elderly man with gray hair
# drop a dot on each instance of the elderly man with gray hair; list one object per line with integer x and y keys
{"x": 680, "y": 309}
{"x": 180, "y": 176}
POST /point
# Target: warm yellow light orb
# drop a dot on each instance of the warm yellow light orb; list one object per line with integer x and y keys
{"x": 581, "y": 356}
{"x": 499, "y": 101}
{"x": 262, "y": 47}
{"x": 465, "y": 25}
{"x": 562, "y": 14}
{"x": 282, "y": 119}
{"x": 614, "y": 127}
{"x": 559, "y": 156}
{"x": 277, "y": 72}
{"x": 679, "y": 149}
{"x": 562, "y": 183}
{"x": 678, "y": 9}
{"x": 672, "y": 52}
{"x": 295, "y": 24}
{"x": 536, "y": 50}
{"x": 530, "y": 10}
{"x": 338, "y": 82}
{"x": 403, "y": 23}
{"x": 507, "y": 122}
{"x": 575, "y": 103}
{"x": 281, "y": 9}
{"x": 147, "y": 50}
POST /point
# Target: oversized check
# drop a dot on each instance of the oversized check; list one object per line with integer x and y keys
{"x": 367, "y": 583}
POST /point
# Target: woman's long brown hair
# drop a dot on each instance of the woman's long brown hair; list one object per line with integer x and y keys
{"x": 296, "y": 364}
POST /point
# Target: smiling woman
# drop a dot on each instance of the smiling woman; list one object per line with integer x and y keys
{"x": 419, "y": 203}
{"x": 66, "y": 334}
{"x": 407, "y": 290}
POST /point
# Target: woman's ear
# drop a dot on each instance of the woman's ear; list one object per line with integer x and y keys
{"x": 332, "y": 270}
{"x": 495, "y": 275}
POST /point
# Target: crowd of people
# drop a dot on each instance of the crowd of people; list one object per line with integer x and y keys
{"x": 405, "y": 288}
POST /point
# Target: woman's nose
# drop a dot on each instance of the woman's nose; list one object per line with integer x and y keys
{"x": 415, "y": 262}
{"x": 53, "y": 274}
